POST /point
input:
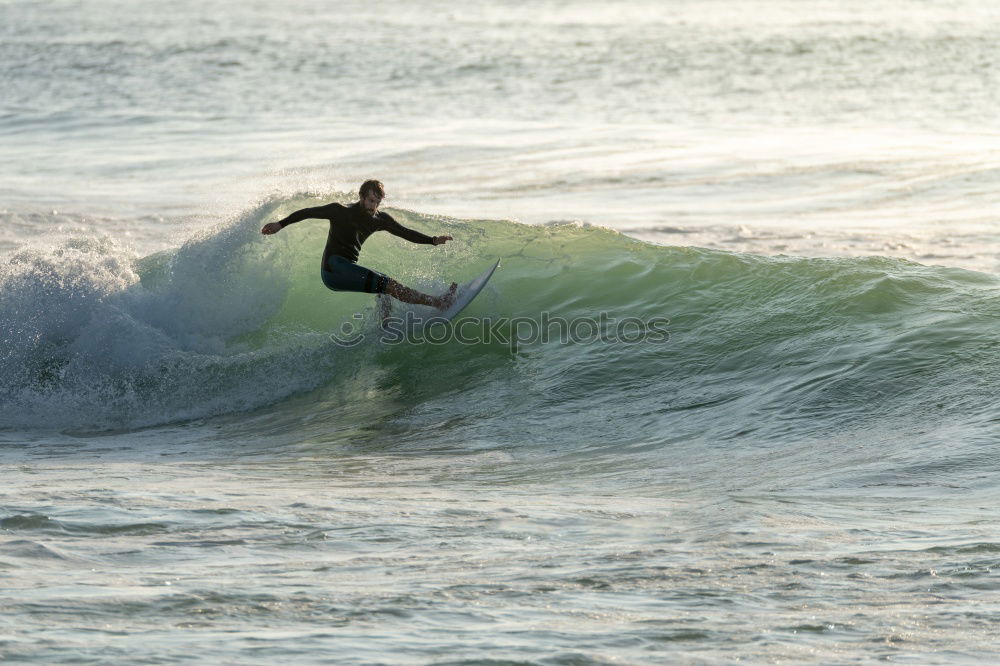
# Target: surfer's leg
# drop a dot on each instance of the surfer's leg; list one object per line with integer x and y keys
{"x": 343, "y": 275}
{"x": 339, "y": 274}
{"x": 407, "y": 295}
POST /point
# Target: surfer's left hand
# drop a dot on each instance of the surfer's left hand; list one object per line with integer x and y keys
{"x": 441, "y": 240}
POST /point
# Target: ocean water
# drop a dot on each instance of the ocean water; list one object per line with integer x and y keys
{"x": 731, "y": 396}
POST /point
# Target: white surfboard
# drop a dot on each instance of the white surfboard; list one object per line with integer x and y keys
{"x": 463, "y": 296}
{"x": 468, "y": 291}
{"x": 416, "y": 325}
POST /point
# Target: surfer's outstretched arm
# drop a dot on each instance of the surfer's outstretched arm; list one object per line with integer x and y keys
{"x": 412, "y": 235}
{"x": 319, "y": 213}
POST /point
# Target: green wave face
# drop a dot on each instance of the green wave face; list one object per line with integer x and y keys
{"x": 585, "y": 340}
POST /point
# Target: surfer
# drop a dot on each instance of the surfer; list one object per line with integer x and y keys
{"x": 350, "y": 226}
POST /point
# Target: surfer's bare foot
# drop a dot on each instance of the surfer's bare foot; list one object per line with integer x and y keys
{"x": 445, "y": 301}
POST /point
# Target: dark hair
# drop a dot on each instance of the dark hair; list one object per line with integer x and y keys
{"x": 372, "y": 186}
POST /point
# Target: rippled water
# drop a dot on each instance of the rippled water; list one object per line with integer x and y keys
{"x": 801, "y": 470}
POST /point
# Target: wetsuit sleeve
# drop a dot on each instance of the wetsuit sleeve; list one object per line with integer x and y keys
{"x": 318, "y": 213}
{"x": 397, "y": 229}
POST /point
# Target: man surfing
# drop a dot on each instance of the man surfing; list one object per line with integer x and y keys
{"x": 350, "y": 226}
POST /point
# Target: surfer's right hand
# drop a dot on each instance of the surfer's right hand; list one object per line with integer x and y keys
{"x": 270, "y": 228}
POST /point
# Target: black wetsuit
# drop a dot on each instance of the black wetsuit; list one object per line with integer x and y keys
{"x": 350, "y": 226}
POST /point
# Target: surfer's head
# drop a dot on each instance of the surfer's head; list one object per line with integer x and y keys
{"x": 372, "y": 192}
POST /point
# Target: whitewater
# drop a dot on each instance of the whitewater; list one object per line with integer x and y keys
{"x": 730, "y": 396}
